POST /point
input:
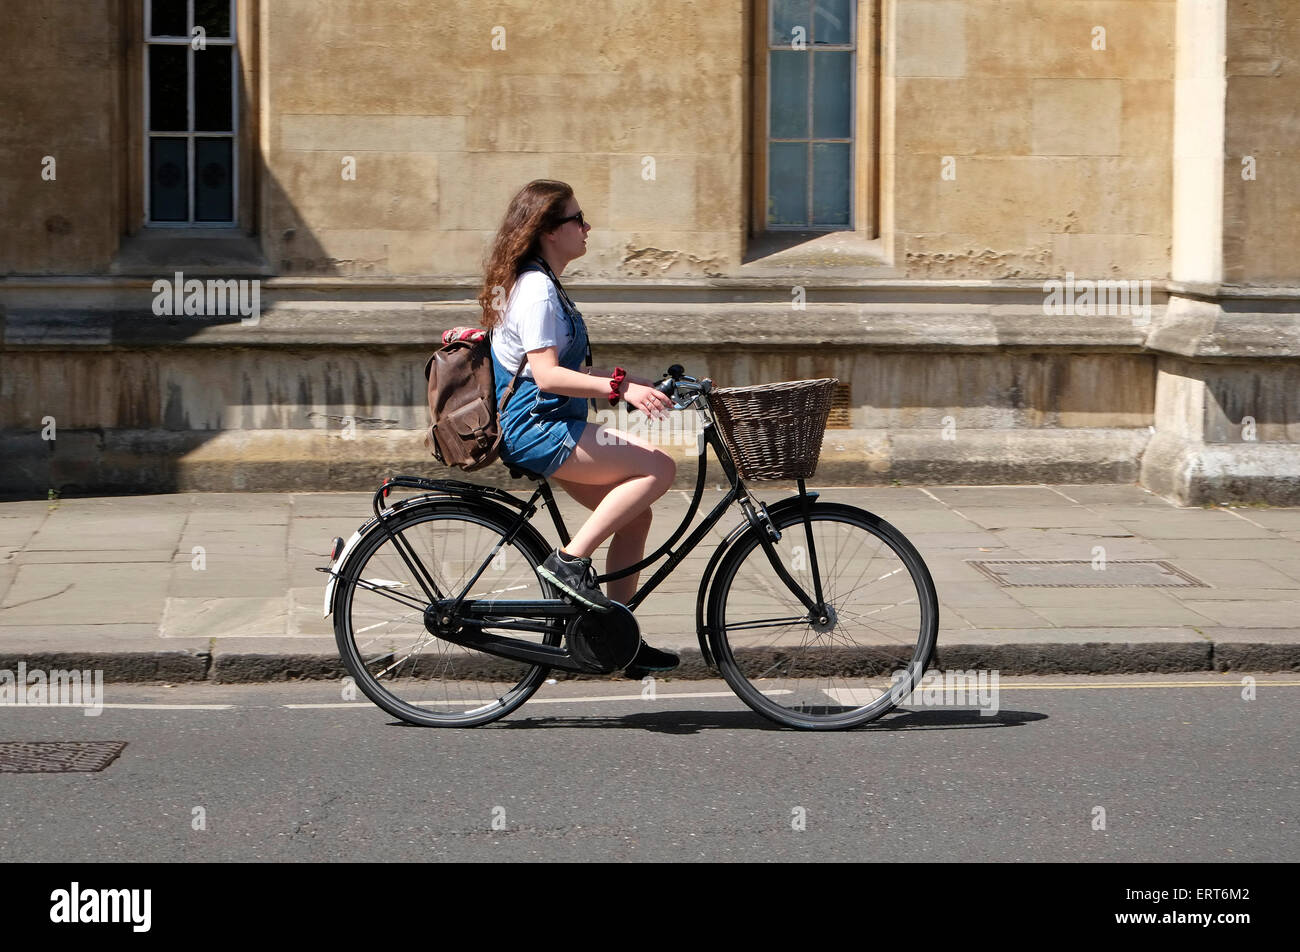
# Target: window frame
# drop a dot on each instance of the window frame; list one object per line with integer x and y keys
{"x": 811, "y": 140}
{"x": 865, "y": 94}
{"x": 148, "y": 40}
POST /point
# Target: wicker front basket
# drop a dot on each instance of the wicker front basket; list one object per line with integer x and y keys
{"x": 774, "y": 431}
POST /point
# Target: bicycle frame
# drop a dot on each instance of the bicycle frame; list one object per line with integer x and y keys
{"x": 452, "y": 605}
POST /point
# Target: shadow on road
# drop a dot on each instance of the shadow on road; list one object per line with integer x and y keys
{"x": 693, "y": 722}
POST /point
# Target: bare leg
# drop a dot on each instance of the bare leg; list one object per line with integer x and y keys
{"x": 629, "y": 475}
{"x": 625, "y": 548}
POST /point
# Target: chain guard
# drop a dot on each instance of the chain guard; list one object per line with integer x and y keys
{"x": 603, "y": 642}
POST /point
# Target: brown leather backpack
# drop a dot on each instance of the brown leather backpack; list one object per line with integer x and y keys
{"x": 466, "y": 430}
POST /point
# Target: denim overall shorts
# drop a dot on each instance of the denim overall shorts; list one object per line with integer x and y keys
{"x": 539, "y": 430}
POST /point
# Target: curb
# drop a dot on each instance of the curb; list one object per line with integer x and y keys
{"x": 1097, "y": 658}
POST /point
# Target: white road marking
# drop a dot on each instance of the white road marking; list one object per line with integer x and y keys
{"x": 1145, "y": 684}
{"x": 128, "y": 707}
{"x": 339, "y": 704}
{"x": 547, "y": 700}
{"x": 855, "y": 697}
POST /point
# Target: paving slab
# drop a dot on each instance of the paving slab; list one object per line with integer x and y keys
{"x": 230, "y": 576}
{"x": 984, "y": 593}
{"x": 1237, "y": 572}
{"x": 997, "y": 496}
{"x": 154, "y": 502}
{"x": 1112, "y": 550}
{"x": 1269, "y": 549}
{"x": 328, "y": 505}
{"x": 1248, "y": 597}
{"x": 1254, "y": 614}
{"x": 90, "y": 556}
{"x": 1040, "y": 517}
{"x": 18, "y": 532}
{"x": 214, "y": 617}
{"x": 1137, "y": 616}
{"x": 912, "y": 521}
{"x": 84, "y": 594}
{"x": 1288, "y": 567}
{"x": 993, "y": 618}
{"x": 1272, "y": 518}
{"x": 956, "y": 540}
{"x": 7, "y": 570}
{"x": 153, "y": 531}
{"x": 1109, "y": 493}
{"x": 1209, "y": 525}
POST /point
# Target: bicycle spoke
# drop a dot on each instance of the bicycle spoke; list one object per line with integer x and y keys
{"x": 765, "y": 623}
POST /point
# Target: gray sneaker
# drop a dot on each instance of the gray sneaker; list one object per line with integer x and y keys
{"x": 576, "y": 578}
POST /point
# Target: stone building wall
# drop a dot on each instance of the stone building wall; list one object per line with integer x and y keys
{"x": 999, "y": 144}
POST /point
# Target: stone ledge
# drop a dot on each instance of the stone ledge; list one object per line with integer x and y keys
{"x": 284, "y": 460}
{"x": 406, "y": 324}
{"x": 1247, "y": 327}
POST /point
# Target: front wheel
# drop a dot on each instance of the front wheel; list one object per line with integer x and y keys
{"x": 879, "y": 632}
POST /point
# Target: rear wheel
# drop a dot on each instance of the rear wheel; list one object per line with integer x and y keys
{"x": 871, "y": 650}
{"x": 379, "y": 614}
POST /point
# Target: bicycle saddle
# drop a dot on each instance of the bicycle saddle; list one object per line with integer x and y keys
{"x": 518, "y": 472}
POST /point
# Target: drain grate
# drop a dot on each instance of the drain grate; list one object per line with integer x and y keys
{"x": 1062, "y": 573}
{"x": 58, "y": 757}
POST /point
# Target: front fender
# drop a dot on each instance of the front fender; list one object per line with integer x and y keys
{"x": 706, "y": 580}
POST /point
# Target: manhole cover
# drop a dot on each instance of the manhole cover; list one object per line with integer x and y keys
{"x": 1060, "y": 573}
{"x": 58, "y": 757}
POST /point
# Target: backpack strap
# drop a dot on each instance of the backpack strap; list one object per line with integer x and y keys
{"x": 514, "y": 382}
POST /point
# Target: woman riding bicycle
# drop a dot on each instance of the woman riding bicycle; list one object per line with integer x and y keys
{"x": 535, "y": 326}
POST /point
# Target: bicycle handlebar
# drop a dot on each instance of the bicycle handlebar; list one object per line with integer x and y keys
{"x": 677, "y": 382}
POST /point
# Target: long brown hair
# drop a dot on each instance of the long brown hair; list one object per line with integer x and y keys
{"x": 537, "y": 207}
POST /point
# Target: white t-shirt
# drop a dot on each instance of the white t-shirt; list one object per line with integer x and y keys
{"x": 534, "y": 318}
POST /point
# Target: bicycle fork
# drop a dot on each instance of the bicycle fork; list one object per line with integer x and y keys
{"x": 769, "y": 534}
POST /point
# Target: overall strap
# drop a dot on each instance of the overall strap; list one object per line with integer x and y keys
{"x": 538, "y": 263}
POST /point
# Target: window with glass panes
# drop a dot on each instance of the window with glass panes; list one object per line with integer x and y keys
{"x": 810, "y": 103}
{"x": 190, "y": 111}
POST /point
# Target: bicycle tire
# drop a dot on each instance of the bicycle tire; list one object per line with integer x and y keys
{"x": 370, "y": 628}
{"x": 849, "y": 684}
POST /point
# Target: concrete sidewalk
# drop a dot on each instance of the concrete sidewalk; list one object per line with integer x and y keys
{"x": 110, "y": 582}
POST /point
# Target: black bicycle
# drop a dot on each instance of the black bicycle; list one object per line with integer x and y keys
{"x": 819, "y": 615}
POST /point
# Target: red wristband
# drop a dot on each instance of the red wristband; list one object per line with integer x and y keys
{"x": 616, "y": 381}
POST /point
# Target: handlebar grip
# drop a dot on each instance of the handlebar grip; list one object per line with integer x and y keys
{"x": 668, "y": 386}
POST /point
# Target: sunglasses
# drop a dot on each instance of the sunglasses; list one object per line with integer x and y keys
{"x": 582, "y": 222}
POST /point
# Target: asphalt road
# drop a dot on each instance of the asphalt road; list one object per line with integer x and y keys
{"x": 1183, "y": 767}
